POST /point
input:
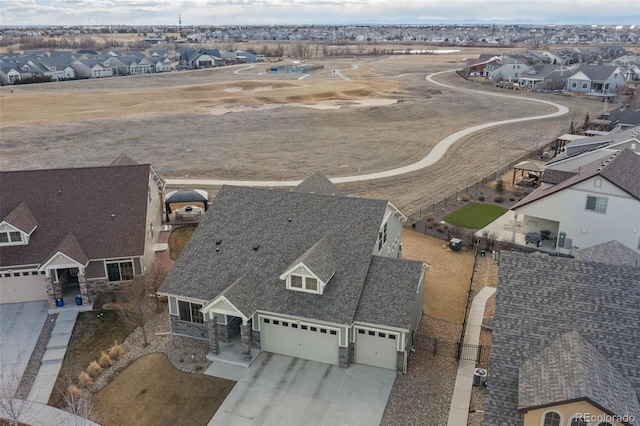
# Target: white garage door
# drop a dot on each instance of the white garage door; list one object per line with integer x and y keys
{"x": 299, "y": 340}
{"x": 376, "y": 348}
{"x": 22, "y": 288}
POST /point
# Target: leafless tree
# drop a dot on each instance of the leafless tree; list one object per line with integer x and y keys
{"x": 77, "y": 400}
{"x": 10, "y": 406}
{"x": 130, "y": 306}
{"x": 154, "y": 277}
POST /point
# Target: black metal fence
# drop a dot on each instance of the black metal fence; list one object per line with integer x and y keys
{"x": 457, "y": 350}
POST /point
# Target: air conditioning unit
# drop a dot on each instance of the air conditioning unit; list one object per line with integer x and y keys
{"x": 479, "y": 377}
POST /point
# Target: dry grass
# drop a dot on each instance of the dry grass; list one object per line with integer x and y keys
{"x": 178, "y": 239}
{"x": 152, "y": 381}
{"x": 447, "y": 282}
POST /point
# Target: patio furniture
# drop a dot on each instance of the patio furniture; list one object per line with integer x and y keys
{"x": 188, "y": 212}
{"x": 533, "y": 238}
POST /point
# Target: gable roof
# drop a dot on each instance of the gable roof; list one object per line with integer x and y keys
{"x": 390, "y": 288}
{"x": 539, "y": 299}
{"x": 622, "y": 169}
{"x": 612, "y": 253}
{"x": 82, "y": 201}
{"x": 70, "y": 247}
{"x": 22, "y": 218}
{"x": 319, "y": 184}
{"x": 319, "y": 259}
{"x": 124, "y": 160}
{"x": 571, "y": 369}
{"x": 595, "y": 72}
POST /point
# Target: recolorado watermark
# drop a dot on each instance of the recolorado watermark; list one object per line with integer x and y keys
{"x": 599, "y": 418}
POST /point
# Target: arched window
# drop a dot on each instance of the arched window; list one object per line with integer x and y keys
{"x": 551, "y": 418}
{"x": 605, "y": 424}
{"x": 578, "y": 422}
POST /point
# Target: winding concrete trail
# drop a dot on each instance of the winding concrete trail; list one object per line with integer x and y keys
{"x": 431, "y": 158}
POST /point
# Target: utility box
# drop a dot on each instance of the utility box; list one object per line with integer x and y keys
{"x": 455, "y": 244}
{"x": 479, "y": 377}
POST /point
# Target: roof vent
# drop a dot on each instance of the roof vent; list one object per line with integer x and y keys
{"x": 256, "y": 247}
{"x": 218, "y": 242}
{"x": 113, "y": 215}
{"x": 289, "y": 220}
{"x": 217, "y": 248}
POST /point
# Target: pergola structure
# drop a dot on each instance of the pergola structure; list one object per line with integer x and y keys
{"x": 531, "y": 167}
{"x": 185, "y": 196}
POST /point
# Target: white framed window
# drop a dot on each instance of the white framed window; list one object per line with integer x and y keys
{"x": 190, "y": 312}
{"x": 551, "y": 418}
{"x": 304, "y": 283}
{"x": 577, "y": 421}
{"x": 384, "y": 233}
{"x": 574, "y": 85}
{"x": 11, "y": 238}
{"x": 596, "y": 204}
{"x": 120, "y": 271}
{"x": 584, "y": 86}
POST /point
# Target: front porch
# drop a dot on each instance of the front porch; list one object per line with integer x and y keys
{"x": 231, "y": 353}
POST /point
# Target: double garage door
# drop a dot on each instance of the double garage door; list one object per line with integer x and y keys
{"x": 376, "y": 348}
{"x": 22, "y": 288}
{"x": 299, "y": 340}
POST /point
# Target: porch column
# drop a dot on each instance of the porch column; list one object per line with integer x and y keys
{"x": 245, "y": 339}
{"x": 84, "y": 289}
{"x": 212, "y": 331}
{"x": 52, "y": 295}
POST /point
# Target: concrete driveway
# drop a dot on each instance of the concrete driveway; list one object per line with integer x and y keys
{"x": 281, "y": 390}
{"x": 20, "y": 326}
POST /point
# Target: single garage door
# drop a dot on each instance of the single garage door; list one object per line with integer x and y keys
{"x": 22, "y": 288}
{"x": 299, "y": 340}
{"x": 376, "y": 348}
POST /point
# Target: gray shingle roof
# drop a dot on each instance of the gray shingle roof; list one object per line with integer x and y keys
{"x": 541, "y": 298}
{"x": 333, "y": 235}
{"x": 22, "y": 218}
{"x": 124, "y": 160}
{"x": 556, "y": 176}
{"x": 319, "y": 259}
{"x": 82, "y": 201}
{"x": 318, "y": 183}
{"x": 241, "y": 218}
{"x": 622, "y": 169}
{"x": 571, "y": 369}
{"x": 596, "y": 72}
{"x": 612, "y": 252}
{"x": 389, "y": 292}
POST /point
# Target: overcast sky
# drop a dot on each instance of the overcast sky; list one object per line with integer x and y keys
{"x": 252, "y": 12}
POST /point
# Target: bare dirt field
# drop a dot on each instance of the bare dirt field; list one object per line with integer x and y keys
{"x": 374, "y": 114}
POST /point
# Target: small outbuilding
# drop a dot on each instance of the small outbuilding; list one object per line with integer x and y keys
{"x": 185, "y": 196}
{"x": 534, "y": 172}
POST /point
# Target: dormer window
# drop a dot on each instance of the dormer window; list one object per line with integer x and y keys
{"x": 303, "y": 283}
{"x": 11, "y": 238}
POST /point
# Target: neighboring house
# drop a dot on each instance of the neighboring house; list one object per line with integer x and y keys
{"x": 584, "y": 150}
{"x": 596, "y": 203}
{"x": 565, "y": 343}
{"x": 77, "y": 230}
{"x": 308, "y": 273}
{"x": 544, "y": 76}
{"x": 624, "y": 118}
{"x": 91, "y": 68}
{"x": 475, "y": 67}
{"x": 506, "y": 69}
{"x": 595, "y": 79}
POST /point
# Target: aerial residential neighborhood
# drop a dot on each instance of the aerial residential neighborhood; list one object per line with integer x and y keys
{"x": 320, "y": 225}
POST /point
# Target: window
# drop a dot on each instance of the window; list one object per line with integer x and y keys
{"x": 323, "y": 330}
{"x": 551, "y": 419}
{"x": 276, "y": 322}
{"x": 574, "y": 84}
{"x": 384, "y": 233}
{"x": 381, "y": 335}
{"x": 120, "y": 271}
{"x": 285, "y": 324}
{"x": 266, "y": 320}
{"x": 4, "y": 237}
{"x": 16, "y": 237}
{"x": 372, "y": 333}
{"x": 333, "y": 332}
{"x": 380, "y": 241}
{"x": 577, "y": 422}
{"x": 606, "y": 86}
{"x": 294, "y": 325}
{"x": 304, "y": 327}
{"x": 360, "y": 331}
{"x": 597, "y": 182}
{"x": 296, "y": 281}
{"x": 311, "y": 284}
{"x": 392, "y": 336}
{"x": 190, "y": 312}
{"x": 596, "y": 204}
{"x": 584, "y": 86}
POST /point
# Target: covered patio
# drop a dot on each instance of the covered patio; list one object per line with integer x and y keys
{"x": 190, "y": 201}
{"x": 533, "y": 170}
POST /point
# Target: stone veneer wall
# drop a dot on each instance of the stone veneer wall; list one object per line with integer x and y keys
{"x": 400, "y": 362}
{"x": 227, "y": 331}
{"x": 197, "y": 331}
{"x": 256, "y": 339}
{"x": 352, "y": 353}
{"x": 343, "y": 357}
{"x": 102, "y": 285}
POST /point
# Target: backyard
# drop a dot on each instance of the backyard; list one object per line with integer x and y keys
{"x": 474, "y": 215}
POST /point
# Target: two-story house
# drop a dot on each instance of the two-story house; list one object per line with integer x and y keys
{"x": 65, "y": 232}
{"x": 592, "y": 204}
{"x": 595, "y": 79}
{"x": 308, "y": 273}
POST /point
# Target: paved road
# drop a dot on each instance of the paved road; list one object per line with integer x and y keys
{"x": 431, "y": 158}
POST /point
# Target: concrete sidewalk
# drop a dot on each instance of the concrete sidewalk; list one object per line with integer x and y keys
{"x": 459, "y": 411}
{"x": 52, "y": 359}
{"x": 36, "y": 414}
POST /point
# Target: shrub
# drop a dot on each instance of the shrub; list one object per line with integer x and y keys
{"x": 85, "y": 380}
{"x": 74, "y": 391}
{"x": 440, "y": 228}
{"x": 431, "y": 218}
{"x": 115, "y": 351}
{"x": 512, "y": 198}
{"x": 105, "y": 360}
{"x": 94, "y": 369}
{"x": 465, "y": 197}
{"x": 500, "y": 186}
{"x": 498, "y": 199}
{"x": 481, "y": 197}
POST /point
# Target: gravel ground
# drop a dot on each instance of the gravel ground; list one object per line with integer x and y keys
{"x": 33, "y": 366}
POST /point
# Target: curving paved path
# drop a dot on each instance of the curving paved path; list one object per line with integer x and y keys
{"x": 431, "y": 158}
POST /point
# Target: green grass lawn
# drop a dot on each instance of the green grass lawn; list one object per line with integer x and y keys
{"x": 151, "y": 391}
{"x": 474, "y": 215}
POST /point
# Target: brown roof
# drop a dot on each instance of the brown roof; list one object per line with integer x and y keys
{"x": 21, "y": 218}
{"x": 124, "y": 160}
{"x": 556, "y": 176}
{"x": 104, "y": 207}
{"x": 622, "y": 169}
{"x": 70, "y": 247}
